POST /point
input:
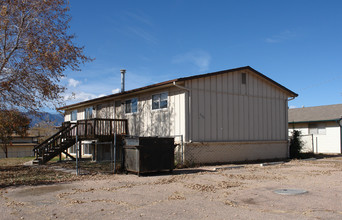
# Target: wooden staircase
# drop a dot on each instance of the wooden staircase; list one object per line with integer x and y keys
{"x": 55, "y": 145}
{"x": 91, "y": 129}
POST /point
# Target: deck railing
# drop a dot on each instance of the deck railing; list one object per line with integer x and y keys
{"x": 98, "y": 127}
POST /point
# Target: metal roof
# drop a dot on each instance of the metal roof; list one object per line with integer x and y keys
{"x": 316, "y": 113}
{"x": 170, "y": 82}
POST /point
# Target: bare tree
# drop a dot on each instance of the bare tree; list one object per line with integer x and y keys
{"x": 35, "y": 50}
{"x": 12, "y": 122}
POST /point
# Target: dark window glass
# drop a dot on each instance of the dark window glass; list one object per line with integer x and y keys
{"x": 243, "y": 78}
{"x": 131, "y": 105}
{"x": 88, "y": 113}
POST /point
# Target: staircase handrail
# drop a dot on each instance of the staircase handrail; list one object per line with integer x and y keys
{"x": 68, "y": 127}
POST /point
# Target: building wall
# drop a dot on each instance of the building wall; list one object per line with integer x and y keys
{"x": 145, "y": 122}
{"x": 225, "y": 109}
{"x": 18, "y": 151}
{"x": 80, "y": 114}
{"x": 162, "y": 122}
{"x": 236, "y": 121}
{"x": 223, "y": 152}
{"x": 329, "y": 142}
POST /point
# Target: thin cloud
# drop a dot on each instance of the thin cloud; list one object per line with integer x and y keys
{"x": 283, "y": 36}
{"x": 135, "y": 24}
{"x": 141, "y": 33}
{"x": 79, "y": 96}
{"x": 140, "y": 17}
{"x": 73, "y": 82}
{"x": 199, "y": 58}
{"x": 117, "y": 90}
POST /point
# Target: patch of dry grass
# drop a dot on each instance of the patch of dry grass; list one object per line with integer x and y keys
{"x": 13, "y": 173}
{"x": 14, "y": 161}
{"x": 24, "y": 175}
{"x": 177, "y": 196}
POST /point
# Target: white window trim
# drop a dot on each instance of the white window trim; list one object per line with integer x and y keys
{"x": 160, "y": 109}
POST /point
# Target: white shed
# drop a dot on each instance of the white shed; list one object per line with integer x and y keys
{"x": 231, "y": 115}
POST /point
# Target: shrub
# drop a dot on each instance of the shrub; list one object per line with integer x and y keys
{"x": 296, "y": 144}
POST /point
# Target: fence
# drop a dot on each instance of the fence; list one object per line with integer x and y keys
{"x": 308, "y": 143}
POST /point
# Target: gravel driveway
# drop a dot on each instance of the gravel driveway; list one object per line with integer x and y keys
{"x": 229, "y": 192}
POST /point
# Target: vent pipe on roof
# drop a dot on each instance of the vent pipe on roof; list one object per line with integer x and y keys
{"x": 123, "y": 71}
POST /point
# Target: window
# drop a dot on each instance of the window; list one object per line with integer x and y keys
{"x": 87, "y": 148}
{"x": 131, "y": 105}
{"x": 317, "y": 128}
{"x": 243, "y": 78}
{"x": 74, "y": 115}
{"x": 159, "y": 101}
{"x": 88, "y": 113}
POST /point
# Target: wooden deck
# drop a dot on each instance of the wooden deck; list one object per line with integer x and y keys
{"x": 98, "y": 128}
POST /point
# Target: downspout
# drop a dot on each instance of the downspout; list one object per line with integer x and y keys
{"x": 189, "y": 110}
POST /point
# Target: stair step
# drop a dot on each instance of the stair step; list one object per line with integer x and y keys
{"x": 36, "y": 162}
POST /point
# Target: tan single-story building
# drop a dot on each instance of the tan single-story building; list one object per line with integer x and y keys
{"x": 230, "y": 115}
{"x": 20, "y": 146}
{"x": 320, "y": 127}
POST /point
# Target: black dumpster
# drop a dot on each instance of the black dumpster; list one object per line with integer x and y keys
{"x": 149, "y": 154}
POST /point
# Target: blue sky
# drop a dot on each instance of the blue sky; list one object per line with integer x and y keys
{"x": 296, "y": 43}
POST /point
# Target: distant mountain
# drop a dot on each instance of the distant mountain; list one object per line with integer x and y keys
{"x": 55, "y": 118}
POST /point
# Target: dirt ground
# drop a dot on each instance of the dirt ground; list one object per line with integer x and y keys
{"x": 229, "y": 192}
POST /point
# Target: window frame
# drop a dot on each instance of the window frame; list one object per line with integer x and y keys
{"x": 71, "y": 115}
{"x": 86, "y": 148}
{"x": 317, "y": 128}
{"x": 160, "y": 100}
{"x": 91, "y": 113}
{"x": 131, "y": 105}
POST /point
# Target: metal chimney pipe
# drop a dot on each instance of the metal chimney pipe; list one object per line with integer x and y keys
{"x": 123, "y": 71}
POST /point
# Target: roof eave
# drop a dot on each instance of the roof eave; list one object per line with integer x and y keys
{"x": 118, "y": 95}
{"x": 309, "y": 121}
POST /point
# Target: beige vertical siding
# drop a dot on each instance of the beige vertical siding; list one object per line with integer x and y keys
{"x": 224, "y": 109}
{"x": 105, "y": 110}
{"x": 80, "y": 113}
{"x": 221, "y": 109}
{"x": 161, "y": 122}
{"x": 67, "y": 116}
